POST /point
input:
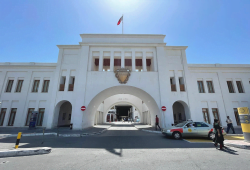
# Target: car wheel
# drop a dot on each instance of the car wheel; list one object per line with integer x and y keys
{"x": 211, "y": 135}
{"x": 177, "y": 135}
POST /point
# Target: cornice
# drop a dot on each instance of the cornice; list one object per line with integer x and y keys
{"x": 161, "y": 36}
{"x": 125, "y": 44}
{"x": 176, "y": 47}
{"x": 69, "y": 46}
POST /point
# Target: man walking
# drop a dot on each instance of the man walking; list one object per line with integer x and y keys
{"x": 157, "y": 123}
{"x": 229, "y": 125}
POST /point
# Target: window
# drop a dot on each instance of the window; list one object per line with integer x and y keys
{"x": 200, "y": 87}
{"x": 2, "y": 115}
{"x": 9, "y": 85}
{"x": 237, "y": 118}
{"x": 210, "y": 87}
{"x": 19, "y": 85}
{"x": 200, "y": 124}
{"x": 230, "y": 86}
{"x": 69, "y": 117}
{"x": 39, "y": 120}
{"x": 215, "y": 113}
{"x": 45, "y": 86}
{"x": 12, "y": 117}
{"x": 206, "y": 115}
{"x": 62, "y": 83}
{"x": 172, "y": 82}
{"x": 71, "y": 83}
{"x": 181, "y": 83}
{"x": 35, "y": 86}
{"x": 30, "y": 110}
{"x": 239, "y": 85}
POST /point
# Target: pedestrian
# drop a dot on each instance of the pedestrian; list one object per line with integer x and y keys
{"x": 229, "y": 125}
{"x": 157, "y": 123}
{"x": 218, "y": 134}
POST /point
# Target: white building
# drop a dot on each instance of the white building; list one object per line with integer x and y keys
{"x": 84, "y": 76}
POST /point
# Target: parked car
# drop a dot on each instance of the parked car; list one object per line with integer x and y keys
{"x": 191, "y": 129}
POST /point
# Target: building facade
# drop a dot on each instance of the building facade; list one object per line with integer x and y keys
{"x": 84, "y": 75}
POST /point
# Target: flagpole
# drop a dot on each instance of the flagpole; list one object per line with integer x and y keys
{"x": 122, "y": 23}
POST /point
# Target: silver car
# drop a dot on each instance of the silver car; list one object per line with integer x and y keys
{"x": 191, "y": 129}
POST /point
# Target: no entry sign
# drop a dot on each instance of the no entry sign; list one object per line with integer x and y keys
{"x": 163, "y": 108}
{"x": 83, "y": 108}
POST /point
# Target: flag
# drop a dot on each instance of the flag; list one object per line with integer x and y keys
{"x": 120, "y": 20}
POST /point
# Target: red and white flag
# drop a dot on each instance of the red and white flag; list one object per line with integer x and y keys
{"x": 120, "y": 20}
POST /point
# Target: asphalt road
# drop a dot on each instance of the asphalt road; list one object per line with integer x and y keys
{"x": 124, "y": 147}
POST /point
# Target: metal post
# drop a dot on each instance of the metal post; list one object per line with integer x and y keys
{"x": 43, "y": 135}
{"x": 18, "y": 139}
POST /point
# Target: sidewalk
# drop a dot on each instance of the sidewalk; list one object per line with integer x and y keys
{"x": 62, "y": 131}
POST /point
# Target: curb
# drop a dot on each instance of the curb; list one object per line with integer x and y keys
{"x": 234, "y": 134}
{"x": 239, "y": 146}
{"x": 159, "y": 132}
{"x": 61, "y": 135}
{"x": 25, "y": 152}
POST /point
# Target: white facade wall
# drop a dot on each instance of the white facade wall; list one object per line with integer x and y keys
{"x": 152, "y": 85}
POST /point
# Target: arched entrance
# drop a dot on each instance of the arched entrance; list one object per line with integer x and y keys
{"x": 89, "y": 118}
{"x": 62, "y": 114}
{"x": 180, "y": 112}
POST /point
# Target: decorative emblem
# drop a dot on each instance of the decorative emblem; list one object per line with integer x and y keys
{"x": 122, "y": 75}
{"x": 242, "y": 110}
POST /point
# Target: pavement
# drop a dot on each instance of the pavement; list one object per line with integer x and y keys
{"x": 123, "y": 146}
{"x": 7, "y": 150}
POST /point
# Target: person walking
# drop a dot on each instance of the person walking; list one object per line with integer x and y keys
{"x": 218, "y": 134}
{"x": 229, "y": 125}
{"x": 157, "y": 123}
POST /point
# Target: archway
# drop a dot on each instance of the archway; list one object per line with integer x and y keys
{"x": 180, "y": 112}
{"x": 62, "y": 114}
{"x": 89, "y": 118}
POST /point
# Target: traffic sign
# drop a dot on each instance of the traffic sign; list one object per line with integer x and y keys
{"x": 83, "y": 108}
{"x": 163, "y": 108}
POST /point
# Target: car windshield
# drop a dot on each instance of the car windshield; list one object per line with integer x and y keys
{"x": 180, "y": 124}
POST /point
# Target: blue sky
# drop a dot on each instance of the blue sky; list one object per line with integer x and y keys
{"x": 216, "y": 31}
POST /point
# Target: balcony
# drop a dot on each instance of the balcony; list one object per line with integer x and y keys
{"x": 182, "y": 87}
{"x": 61, "y": 87}
{"x": 173, "y": 87}
{"x": 71, "y": 87}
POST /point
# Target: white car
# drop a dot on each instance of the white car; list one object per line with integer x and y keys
{"x": 191, "y": 129}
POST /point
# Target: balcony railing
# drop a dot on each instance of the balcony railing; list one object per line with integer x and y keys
{"x": 61, "y": 88}
{"x": 71, "y": 87}
{"x": 182, "y": 87}
{"x": 173, "y": 87}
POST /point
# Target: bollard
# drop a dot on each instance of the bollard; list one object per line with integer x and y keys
{"x": 245, "y": 122}
{"x": 43, "y": 135}
{"x": 71, "y": 126}
{"x": 18, "y": 139}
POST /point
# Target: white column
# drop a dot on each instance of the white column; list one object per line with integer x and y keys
{"x": 91, "y": 65}
{"x": 101, "y": 61}
{"x": 144, "y": 63}
{"x": 111, "y": 60}
{"x": 122, "y": 59}
{"x": 155, "y": 62}
{"x": 133, "y": 60}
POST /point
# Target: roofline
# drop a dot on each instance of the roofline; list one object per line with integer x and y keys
{"x": 122, "y": 35}
{"x": 31, "y": 64}
{"x": 219, "y": 65}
